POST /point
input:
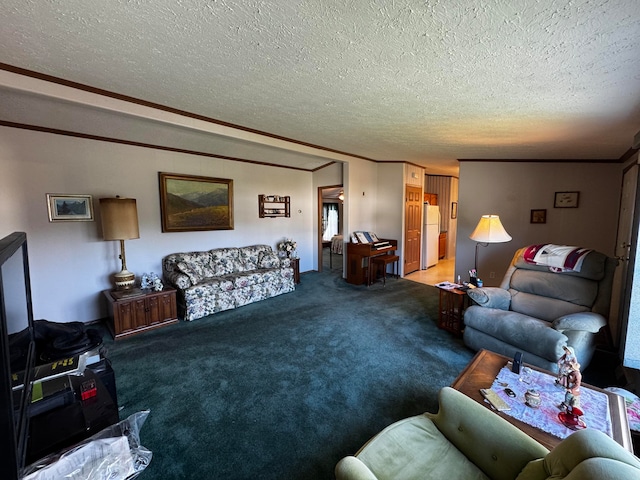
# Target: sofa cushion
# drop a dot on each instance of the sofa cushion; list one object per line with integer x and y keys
{"x": 555, "y": 285}
{"x": 400, "y": 452}
{"x": 190, "y": 271}
{"x": 222, "y": 284}
{"x": 541, "y": 307}
{"x": 593, "y": 266}
{"x": 245, "y": 279}
{"x": 224, "y": 261}
{"x": 250, "y": 256}
{"x": 268, "y": 260}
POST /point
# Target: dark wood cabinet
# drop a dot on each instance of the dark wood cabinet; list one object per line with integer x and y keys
{"x": 359, "y": 256}
{"x": 295, "y": 264}
{"x": 431, "y": 198}
{"x": 137, "y": 313}
{"x": 442, "y": 245}
{"x": 452, "y": 306}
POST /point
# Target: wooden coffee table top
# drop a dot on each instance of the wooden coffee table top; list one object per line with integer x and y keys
{"x": 483, "y": 370}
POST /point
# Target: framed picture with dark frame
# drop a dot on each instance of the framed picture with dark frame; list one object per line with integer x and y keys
{"x": 193, "y": 203}
{"x": 538, "y": 216}
{"x": 566, "y": 200}
{"x": 69, "y": 208}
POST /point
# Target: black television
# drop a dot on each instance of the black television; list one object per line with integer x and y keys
{"x": 17, "y": 347}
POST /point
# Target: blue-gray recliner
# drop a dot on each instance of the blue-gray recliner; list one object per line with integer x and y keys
{"x": 537, "y": 311}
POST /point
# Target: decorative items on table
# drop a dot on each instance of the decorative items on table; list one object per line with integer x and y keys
{"x": 570, "y": 378}
{"x": 151, "y": 281}
{"x": 552, "y": 407}
{"x": 287, "y": 248}
{"x": 532, "y": 398}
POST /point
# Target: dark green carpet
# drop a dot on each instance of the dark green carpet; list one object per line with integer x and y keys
{"x": 283, "y": 388}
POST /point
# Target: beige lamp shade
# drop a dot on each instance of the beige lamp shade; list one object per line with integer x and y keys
{"x": 120, "y": 222}
{"x": 490, "y": 230}
{"x": 119, "y": 218}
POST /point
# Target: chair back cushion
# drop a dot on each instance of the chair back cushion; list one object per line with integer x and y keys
{"x": 541, "y": 293}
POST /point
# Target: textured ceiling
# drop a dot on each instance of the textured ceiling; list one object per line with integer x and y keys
{"x": 423, "y": 81}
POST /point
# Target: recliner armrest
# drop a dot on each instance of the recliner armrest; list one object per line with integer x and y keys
{"x": 351, "y": 468}
{"x": 585, "y": 321}
{"x": 491, "y": 297}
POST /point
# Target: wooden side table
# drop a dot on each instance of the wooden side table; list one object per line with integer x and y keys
{"x": 147, "y": 310}
{"x": 295, "y": 264}
{"x": 452, "y": 305}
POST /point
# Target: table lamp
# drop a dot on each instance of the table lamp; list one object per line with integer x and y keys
{"x": 489, "y": 230}
{"x": 120, "y": 222}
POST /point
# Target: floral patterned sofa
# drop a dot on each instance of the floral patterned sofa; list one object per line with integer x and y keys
{"x": 225, "y": 278}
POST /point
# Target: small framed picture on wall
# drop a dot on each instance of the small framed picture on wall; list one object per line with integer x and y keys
{"x": 566, "y": 200}
{"x": 69, "y": 208}
{"x": 538, "y": 216}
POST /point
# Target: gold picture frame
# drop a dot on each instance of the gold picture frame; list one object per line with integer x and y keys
{"x": 193, "y": 203}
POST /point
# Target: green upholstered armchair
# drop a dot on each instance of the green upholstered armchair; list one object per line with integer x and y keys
{"x": 466, "y": 440}
{"x": 538, "y": 312}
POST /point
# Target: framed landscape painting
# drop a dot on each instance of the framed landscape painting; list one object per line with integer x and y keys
{"x": 69, "y": 208}
{"x": 192, "y": 203}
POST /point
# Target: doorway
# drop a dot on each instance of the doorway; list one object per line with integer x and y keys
{"x": 413, "y": 228}
{"x": 330, "y": 228}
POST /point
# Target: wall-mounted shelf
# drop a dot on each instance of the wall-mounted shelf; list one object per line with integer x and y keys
{"x": 271, "y": 206}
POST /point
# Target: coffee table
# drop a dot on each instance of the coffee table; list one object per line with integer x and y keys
{"x": 486, "y": 365}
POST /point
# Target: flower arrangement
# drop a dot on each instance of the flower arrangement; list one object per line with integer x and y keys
{"x": 287, "y": 246}
{"x": 151, "y": 281}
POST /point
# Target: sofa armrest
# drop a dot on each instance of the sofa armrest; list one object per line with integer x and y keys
{"x": 586, "y": 321}
{"x": 491, "y": 297}
{"x": 498, "y": 448}
{"x": 177, "y": 279}
{"x": 351, "y": 468}
{"x": 285, "y": 262}
{"x": 586, "y": 454}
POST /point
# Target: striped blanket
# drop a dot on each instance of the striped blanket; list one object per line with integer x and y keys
{"x": 559, "y": 258}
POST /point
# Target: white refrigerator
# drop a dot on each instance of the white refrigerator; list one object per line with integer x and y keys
{"x": 430, "y": 234}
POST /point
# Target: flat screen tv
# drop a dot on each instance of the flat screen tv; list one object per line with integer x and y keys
{"x": 17, "y": 347}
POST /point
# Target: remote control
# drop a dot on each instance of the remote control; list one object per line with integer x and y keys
{"x": 495, "y": 401}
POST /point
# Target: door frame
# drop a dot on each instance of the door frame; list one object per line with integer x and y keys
{"x": 319, "y": 239}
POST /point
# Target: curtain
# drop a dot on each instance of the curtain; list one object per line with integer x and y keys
{"x": 329, "y": 221}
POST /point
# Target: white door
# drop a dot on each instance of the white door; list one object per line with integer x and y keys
{"x": 620, "y": 293}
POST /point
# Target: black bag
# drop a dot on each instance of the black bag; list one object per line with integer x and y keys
{"x": 55, "y": 341}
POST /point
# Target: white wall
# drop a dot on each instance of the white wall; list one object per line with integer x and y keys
{"x": 390, "y": 212}
{"x": 360, "y": 179}
{"x": 71, "y": 264}
{"x": 512, "y": 189}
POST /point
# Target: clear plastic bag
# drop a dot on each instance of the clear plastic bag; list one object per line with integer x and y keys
{"x": 114, "y": 453}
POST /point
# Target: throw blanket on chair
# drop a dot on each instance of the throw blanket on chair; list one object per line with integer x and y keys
{"x": 559, "y": 258}
{"x": 336, "y": 244}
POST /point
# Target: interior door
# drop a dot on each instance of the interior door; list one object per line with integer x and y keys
{"x": 620, "y": 294}
{"x": 413, "y": 228}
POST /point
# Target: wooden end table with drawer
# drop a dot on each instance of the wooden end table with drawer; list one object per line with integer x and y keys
{"x": 140, "y": 310}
